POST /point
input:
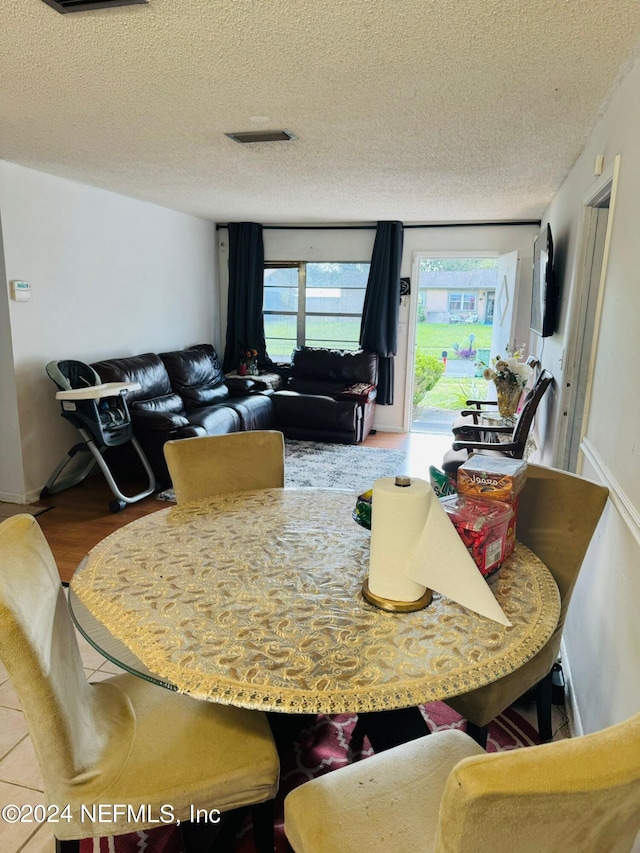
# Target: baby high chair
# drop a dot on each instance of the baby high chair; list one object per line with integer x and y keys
{"x": 100, "y": 413}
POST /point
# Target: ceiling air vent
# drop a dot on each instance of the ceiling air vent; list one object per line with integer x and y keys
{"x": 262, "y": 136}
{"x": 64, "y": 6}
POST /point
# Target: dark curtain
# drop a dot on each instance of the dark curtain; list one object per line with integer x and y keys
{"x": 245, "y": 323}
{"x": 379, "y": 328}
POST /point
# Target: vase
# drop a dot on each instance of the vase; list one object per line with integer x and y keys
{"x": 508, "y": 398}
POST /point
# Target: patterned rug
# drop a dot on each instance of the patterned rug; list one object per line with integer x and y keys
{"x": 341, "y": 466}
{"x": 320, "y": 746}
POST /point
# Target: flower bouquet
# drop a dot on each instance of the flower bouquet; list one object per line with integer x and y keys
{"x": 248, "y": 363}
{"x": 510, "y": 376}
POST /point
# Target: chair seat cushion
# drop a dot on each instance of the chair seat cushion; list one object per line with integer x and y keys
{"x": 389, "y": 802}
{"x": 462, "y": 421}
{"x": 181, "y": 751}
{"x": 453, "y": 459}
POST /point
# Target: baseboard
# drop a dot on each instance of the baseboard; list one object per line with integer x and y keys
{"x": 30, "y": 498}
{"x": 9, "y": 498}
{"x": 573, "y": 712}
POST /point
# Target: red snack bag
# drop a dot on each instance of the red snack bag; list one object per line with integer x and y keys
{"x": 482, "y": 525}
{"x": 494, "y": 478}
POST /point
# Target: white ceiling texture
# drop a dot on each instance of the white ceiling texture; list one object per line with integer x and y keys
{"x": 419, "y": 110}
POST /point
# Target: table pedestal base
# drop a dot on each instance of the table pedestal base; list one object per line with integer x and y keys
{"x": 386, "y": 729}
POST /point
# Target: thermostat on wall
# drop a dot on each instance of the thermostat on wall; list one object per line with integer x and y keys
{"x": 21, "y": 291}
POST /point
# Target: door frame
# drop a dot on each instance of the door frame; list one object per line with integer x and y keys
{"x": 574, "y": 426}
{"x": 407, "y": 415}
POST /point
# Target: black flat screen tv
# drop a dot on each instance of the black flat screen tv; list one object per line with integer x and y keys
{"x": 544, "y": 293}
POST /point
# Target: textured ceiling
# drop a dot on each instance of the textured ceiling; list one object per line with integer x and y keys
{"x": 419, "y": 110}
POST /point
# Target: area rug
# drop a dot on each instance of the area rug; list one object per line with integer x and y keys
{"x": 340, "y": 466}
{"x": 322, "y": 745}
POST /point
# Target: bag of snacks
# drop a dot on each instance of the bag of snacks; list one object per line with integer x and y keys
{"x": 482, "y": 526}
{"x": 494, "y": 478}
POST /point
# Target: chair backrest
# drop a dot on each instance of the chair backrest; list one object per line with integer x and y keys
{"x": 69, "y": 374}
{"x": 525, "y": 418}
{"x": 214, "y": 464}
{"x": 579, "y": 795}
{"x": 81, "y": 733}
{"x": 558, "y": 513}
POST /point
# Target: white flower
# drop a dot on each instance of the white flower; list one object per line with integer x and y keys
{"x": 508, "y": 370}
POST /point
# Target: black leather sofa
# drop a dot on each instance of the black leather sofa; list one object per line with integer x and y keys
{"x": 329, "y": 395}
{"x": 184, "y": 394}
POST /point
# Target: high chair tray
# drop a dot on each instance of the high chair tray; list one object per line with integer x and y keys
{"x": 95, "y": 392}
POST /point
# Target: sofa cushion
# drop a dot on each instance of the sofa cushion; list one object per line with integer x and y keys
{"x": 256, "y": 411}
{"x": 326, "y": 388}
{"x": 146, "y": 369}
{"x": 344, "y": 367}
{"x": 145, "y": 419}
{"x": 215, "y": 420}
{"x": 315, "y": 411}
{"x": 196, "y": 375}
{"x": 170, "y": 404}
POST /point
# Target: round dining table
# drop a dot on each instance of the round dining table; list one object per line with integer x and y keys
{"x": 254, "y": 599}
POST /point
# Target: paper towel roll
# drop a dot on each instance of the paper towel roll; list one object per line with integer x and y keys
{"x": 397, "y": 519}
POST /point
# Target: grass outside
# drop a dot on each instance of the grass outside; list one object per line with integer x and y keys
{"x": 434, "y": 338}
{"x": 452, "y": 392}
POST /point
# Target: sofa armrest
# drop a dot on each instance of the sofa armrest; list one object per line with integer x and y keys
{"x": 241, "y": 387}
{"x": 361, "y": 392}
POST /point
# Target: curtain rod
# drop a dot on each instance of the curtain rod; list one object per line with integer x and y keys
{"x": 517, "y": 222}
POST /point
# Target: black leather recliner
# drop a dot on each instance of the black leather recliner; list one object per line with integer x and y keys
{"x": 329, "y": 396}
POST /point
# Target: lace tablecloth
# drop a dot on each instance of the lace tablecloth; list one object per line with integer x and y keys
{"x": 254, "y": 599}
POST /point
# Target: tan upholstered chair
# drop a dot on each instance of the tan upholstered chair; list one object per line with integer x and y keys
{"x": 557, "y": 516}
{"x": 443, "y": 794}
{"x": 214, "y": 464}
{"x": 123, "y": 740}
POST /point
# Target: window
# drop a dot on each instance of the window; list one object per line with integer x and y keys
{"x": 455, "y": 302}
{"x": 462, "y": 302}
{"x": 312, "y": 304}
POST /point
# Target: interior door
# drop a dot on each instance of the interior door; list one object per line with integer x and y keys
{"x": 586, "y": 324}
{"x": 506, "y": 303}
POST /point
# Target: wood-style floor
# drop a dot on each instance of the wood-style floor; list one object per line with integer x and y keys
{"x": 80, "y": 517}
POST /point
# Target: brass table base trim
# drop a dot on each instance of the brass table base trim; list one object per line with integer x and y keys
{"x": 395, "y": 606}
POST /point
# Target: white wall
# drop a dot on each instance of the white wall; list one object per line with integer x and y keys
{"x": 602, "y": 635}
{"x": 111, "y": 276}
{"x": 357, "y": 245}
{"x": 10, "y": 473}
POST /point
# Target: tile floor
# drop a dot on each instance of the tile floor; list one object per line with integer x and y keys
{"x": 20, "y": 780}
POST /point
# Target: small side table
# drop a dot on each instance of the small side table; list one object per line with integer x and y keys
{"x": 264, "y": 381}
{"x": 494, "y": 419}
